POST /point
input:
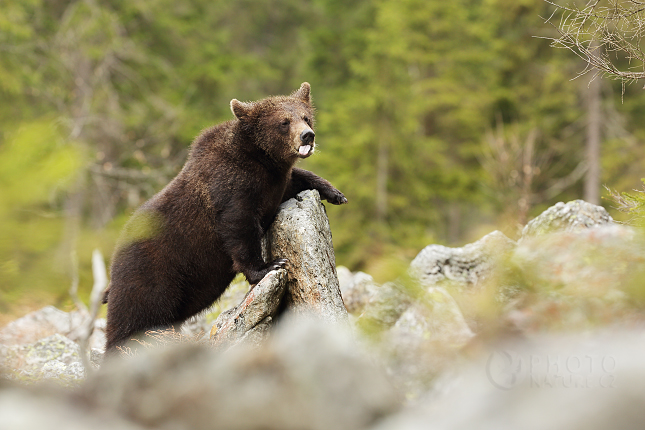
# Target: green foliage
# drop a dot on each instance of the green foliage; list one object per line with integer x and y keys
{"x": 407, "y": 92}
{"x": 631, "y": 203}
{"x": 36, "y": 164}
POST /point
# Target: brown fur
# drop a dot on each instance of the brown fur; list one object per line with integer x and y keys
{"x": 182, "y": 248}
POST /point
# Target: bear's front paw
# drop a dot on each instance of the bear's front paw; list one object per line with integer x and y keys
{"x": 255, "y": 276}
{"x": 335, "y": 197}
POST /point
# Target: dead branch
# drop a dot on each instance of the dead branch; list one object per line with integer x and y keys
{"x": 599, "y": 32}
{"x": 100, "y": 283}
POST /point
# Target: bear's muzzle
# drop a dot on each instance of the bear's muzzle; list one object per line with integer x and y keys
{"x": 307, "y": 138}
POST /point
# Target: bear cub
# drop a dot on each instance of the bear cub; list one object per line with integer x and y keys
{"x": 181, "y": 249}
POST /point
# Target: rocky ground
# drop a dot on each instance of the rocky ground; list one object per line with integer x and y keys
{"x": 545, "y": 332}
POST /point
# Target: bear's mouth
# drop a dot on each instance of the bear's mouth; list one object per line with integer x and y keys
{"x": 305, "y": 151}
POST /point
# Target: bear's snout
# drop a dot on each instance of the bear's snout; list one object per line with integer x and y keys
{"x": 307, "y": 137}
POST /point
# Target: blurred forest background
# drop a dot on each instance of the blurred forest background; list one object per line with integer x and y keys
{"x": 440, "y": 121}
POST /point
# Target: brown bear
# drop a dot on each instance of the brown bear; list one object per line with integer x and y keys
{"x": 182, "y": 248}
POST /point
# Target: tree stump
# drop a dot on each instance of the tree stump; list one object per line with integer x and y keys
{"x": 301, "y": 234}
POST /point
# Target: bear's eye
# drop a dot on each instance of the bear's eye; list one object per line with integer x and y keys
{"x": 307, "y": 120}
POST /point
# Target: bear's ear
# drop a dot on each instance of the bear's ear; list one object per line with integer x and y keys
{"x": 240, "y": 109}
{"x": 303, "y": 93}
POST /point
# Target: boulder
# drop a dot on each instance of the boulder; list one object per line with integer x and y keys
{"x": 48, "y": 321}
{"x": 418, "y": 325}
{"x": 54, "y": 358}
{"x": 27, "y": 408}
{"x": 580, "y": 278}
{"x": 308, "y": 375}
{"x": 416, "y": 332}
{"x": 435, "y": 318}
{"x": 97, "y": 339}
{"x": 420, "y": 337}
{"x": 356, "y": 289}
{"x": 39, "y": 324}
{"x": 385, "y": 307}
{"x": 466, "y": 266}
{"x": 593, "y": 382}
{"x": 571, "y": 216}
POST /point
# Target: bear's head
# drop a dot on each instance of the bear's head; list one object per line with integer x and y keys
{"x": 281, "y": 125}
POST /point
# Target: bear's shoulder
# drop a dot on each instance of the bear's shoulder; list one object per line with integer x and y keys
{"x": 214, "y": 137}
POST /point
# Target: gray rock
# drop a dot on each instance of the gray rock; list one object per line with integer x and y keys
{"x": 96, "y": 357}
{"x": 579, "y": 278}
{"x": 567, "y": 217}
{"x": 97, "y": 339}
{"x": 555, "y": 382}
{"x": 345, "y": 277}
{"x": 59, "y": 371}
{"x": 52, "y": 369}
{"x": 417, "y": 333}
{"x": 356, "y": 289}
{"x": 39, "y": 324}
{"x": 423, "y": 341}
{"x": 467, "y": 265}
{"x": 385, "y": 307}
{"x": 22, "y": 408}
{"x": 603, "y": 257}
{"x": 301, "y": 234}
{"x": 48, "y": 321}
{"x": 251, "y": 318}
{"x": 55, "y": 358}
{"x": 435, "y": 318}
{"x": 419, "y": 325}
{"x": 307, "y": 375}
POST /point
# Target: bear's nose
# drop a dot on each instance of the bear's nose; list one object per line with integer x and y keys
{"x": 307, "y": 137}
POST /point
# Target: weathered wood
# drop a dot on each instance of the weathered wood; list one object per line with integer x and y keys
{"x": 301, "y": 234}
{"x": 251, "y": 318}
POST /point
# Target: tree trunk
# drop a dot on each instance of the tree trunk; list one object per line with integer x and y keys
{"x": 301, "y": 234}
{"x": 381, "y": 180}
{"x": 592, "y": 177}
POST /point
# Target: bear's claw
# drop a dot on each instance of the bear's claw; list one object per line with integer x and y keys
{"x": 279, "y": 264}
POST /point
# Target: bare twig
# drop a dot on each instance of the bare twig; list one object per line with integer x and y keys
{"x": 515, "y": 164}
{"x": 100, "y": 283}
{"x": 628, "y": 203}
{"x": 601, "y": 30}
{"x": 562, "y": 184}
